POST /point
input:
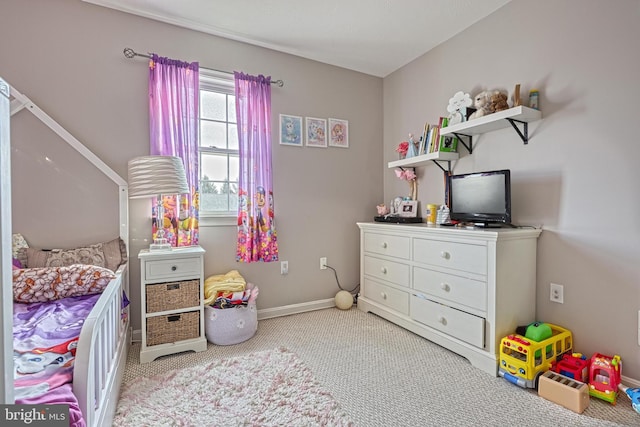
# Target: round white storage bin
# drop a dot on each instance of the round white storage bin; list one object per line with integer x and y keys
{"x": 227, "y": 326}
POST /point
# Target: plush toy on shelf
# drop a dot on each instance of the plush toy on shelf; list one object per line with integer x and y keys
{"x": 482, "y": 104}
{"x": 499, "y": 101}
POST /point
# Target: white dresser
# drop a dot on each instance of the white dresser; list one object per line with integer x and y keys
{"x": 463, "y": 289}
{"x": 172, "y": 295}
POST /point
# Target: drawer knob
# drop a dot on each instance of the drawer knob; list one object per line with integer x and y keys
{"x": 383, "y": 295}
{"x": 174, "y": 267}
{"x": 384, "y": 245}
{"x": 384, "y": 270}
{"x": 442, "y": 320}
{"x": 445, "y": 287}
{"x": 445, "y": 255}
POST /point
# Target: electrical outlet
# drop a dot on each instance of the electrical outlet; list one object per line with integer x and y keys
{"x": 323, "y": 263}
{"x": 556, "y": 293}
{"x": 284, "y": 267}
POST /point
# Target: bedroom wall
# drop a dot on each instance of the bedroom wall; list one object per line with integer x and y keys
{"x": 578, "y": 176}
{"x": 67, "y": 57}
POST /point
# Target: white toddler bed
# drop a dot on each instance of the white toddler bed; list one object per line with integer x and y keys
{"x": 105, "y": 335}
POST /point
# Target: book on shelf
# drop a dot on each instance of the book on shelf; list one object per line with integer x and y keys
{"x": 429, "y": 139}
{"x": 435, "y": 137}
{"x": 423, "y": 139}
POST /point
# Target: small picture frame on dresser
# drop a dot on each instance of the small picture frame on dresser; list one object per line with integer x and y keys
{"x": 408, "y": 209}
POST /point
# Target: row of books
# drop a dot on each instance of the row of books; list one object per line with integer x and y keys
{"x": 432, "y": 142}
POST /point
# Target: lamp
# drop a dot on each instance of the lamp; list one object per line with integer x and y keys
{"x": 155, "y": 176}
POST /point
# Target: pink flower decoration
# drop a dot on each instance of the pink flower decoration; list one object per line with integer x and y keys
{"x": 403, "y": 147}
{"x": 406, "y": 174}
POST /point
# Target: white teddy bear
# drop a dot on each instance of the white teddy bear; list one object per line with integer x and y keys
{"x": 482, "y": 104}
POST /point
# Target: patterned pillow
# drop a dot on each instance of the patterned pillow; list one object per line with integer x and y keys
{"x": 108, "y": 254}
{"x": 52, "y": 283}
{"x": 19, "y": 248}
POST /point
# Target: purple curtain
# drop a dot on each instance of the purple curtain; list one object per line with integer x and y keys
{"x": 173, "y": 120}
{"x": 256, "y": 227}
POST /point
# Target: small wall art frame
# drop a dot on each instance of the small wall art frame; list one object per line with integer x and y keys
{"x": 316, "y": 132}
{"x": 290, "y": 130}
{"x": 338, "y": 133}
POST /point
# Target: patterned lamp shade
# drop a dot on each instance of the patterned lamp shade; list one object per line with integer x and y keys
{"x": 156, "y": 175}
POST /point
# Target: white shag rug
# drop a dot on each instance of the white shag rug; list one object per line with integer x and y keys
{"x": 267, "y": 388}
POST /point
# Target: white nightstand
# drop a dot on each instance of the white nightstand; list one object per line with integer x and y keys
{"x": 172, "y": 295}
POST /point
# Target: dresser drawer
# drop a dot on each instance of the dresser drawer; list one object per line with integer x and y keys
{"x": 455, "y": 255}
{"x": 386, "y": 295}
{"x": 384, "y": 244}
{"x": 180, "y": 268}
{"x": 461, "y": 290}
{"x": 456, "y": 323}
{"x": 391, "y": 271}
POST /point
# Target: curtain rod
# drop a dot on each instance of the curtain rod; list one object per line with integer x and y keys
{"x": 130, "y": 53}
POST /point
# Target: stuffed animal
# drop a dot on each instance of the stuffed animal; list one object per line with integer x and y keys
{"x": 482, "y": 104}
{"x": 499, "y": 101}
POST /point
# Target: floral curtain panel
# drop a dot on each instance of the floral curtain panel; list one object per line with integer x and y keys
{"x": 173, "y": 121}
{"x": 256, "y": 227}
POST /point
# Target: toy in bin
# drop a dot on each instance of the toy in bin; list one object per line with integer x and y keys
{"x": 604, "y": 377}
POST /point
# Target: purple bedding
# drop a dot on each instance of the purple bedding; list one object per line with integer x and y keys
{"x": 45, "y": 336}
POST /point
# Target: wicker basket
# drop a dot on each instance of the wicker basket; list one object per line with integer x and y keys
{"x": 172, "y": 296}
{"x": 170, "y": 328}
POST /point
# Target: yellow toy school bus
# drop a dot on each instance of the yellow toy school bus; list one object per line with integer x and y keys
{"x": 523, "y": 361}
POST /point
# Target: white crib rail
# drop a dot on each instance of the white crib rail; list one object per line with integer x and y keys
{"x": 101, "y": 355}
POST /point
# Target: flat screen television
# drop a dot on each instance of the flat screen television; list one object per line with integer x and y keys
{"x": 481, "y": 198}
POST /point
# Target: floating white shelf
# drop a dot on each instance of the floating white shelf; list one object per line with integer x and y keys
{"x": 423, "y": 159}
{"x": 494, "y": 121}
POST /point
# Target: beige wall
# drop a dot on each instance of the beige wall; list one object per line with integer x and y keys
{"x": 578, "y": 176}
{"x": 67, "y": 57}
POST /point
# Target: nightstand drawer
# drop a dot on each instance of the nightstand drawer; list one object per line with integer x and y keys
{"x": 171, "y": 328}
{"x": 178, "y": 268}
{"x": 172, "y": 296}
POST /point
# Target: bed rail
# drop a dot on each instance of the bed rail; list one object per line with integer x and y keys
{"x": 101, "y": 354}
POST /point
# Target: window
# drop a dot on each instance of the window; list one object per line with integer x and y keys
{"x": 218, "y": 145}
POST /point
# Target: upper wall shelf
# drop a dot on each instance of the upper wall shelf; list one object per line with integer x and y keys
{"x": 495, "y": 121}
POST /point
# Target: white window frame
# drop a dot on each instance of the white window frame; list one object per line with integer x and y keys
{"x": 224, "y": 83}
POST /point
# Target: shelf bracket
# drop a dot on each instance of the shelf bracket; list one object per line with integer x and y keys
{"x": 468, "y": 147}
{"x": 440, "y": 166}
{"x": 523, "y": 135}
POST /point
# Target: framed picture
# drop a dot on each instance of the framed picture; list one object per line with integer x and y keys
{"x": 316, "y": 131}
{"x": 408, "y": 209}
{"x": 338, "y": 133}
{"x": 290, "y": 130}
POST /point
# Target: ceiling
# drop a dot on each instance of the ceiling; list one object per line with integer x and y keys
{"x": 375, "y": 37}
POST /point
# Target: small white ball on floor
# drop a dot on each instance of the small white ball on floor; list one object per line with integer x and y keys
{"x": 344, "y": 300}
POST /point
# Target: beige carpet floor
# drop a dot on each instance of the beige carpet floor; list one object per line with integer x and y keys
{"x": 383, "y": 375}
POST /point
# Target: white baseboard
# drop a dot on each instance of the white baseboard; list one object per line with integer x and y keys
{"x": 630, "y": 382}
{"x": 269, "y": 313}
{"x": 286, "y": 310}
